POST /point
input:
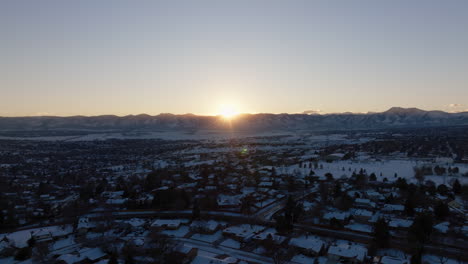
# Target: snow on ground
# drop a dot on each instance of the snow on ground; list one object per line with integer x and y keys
{"x": 231, "y": 243}
{"x": 135, "y": 222}
{"x": 308, "y": 260}
{"x": 9, "y": 260}
{"x": 20, "y": 238}
{"x": 313, "y": 243}
{"x": 442, "y": 227}
{"x": 208, "y": 238}
{"x": 432, "y": 259}
{"x": 302, "y": 259}
{"x": 244, "y": 230}
{"x": 63, "y": 243}
{"x": 360, "y": 227}
{"x": 165, "y": 135}
{"x": 180, "y": 232}
{"x": 388, "y": 168}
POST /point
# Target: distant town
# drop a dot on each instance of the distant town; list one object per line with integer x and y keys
{"x": 389, "y": 197}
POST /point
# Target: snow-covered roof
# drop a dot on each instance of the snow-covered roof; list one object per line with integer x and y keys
{"x": 265, "y": 234}
{"x": 337, "y": 215}
{"x": 174, "y": 223}
{"x": 360, "y": 227}
{"x": 116, "y": 201}
{"x": 184, "y": 249}
{"x": 243, "y": 230}
{"x": 393, "y": 207}
{"x": 400, "y": 223}
{"x": 442, "y": 227}
{"x": 310, "y": 243}
{"x": 84, "y": 222}
{"x": 211, "y": 225}
{"x": 361, "y": 212}
{"x": 364, "y": 202}
{"x": 20, "y": 238}
{"x": 228, "y": 200}
{"x": 265, "y": 184}
{"x": 135, "y": 222}
{"x": 85, "y": 253}
{"x": 348, "y": 251}
{"x": 392, "y": 260}
{"x": 302, "y": 259}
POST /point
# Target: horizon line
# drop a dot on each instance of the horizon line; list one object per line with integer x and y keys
{"x": 307, "y": 112}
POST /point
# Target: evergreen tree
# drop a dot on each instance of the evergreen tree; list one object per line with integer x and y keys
{"x": 409, "y": 206}
{"x": 441, "y": 210}
{"x": 337, "y": 190}
{"x": 196, "y": 211}
{"x": 381, "y": 233}
{"x": 113, "y": 259}
{"x": 456, "y": 187}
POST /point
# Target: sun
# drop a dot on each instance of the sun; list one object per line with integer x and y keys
{"x": 228, "y": 112}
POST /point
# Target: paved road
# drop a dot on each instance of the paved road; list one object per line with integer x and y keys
{"x": 267, "y": 212}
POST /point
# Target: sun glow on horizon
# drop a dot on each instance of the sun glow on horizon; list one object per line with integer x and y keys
{"x": 228, "y": 112}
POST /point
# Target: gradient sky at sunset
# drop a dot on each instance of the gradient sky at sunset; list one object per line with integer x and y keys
{"x": 130, "y": 57}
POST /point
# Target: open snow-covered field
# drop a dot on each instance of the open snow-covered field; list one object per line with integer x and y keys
{"x": 164, "y": 135}
{"x": 390, "y": 169}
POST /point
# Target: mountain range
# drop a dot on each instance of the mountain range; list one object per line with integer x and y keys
{"x": 395, "y": 117}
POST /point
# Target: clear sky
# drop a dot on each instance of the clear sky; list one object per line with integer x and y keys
{"x": 196, "y": 56}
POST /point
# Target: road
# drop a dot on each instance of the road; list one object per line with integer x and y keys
{"x": 267, "y": 212}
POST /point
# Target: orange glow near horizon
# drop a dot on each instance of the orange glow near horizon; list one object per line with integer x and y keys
{"x": 228, "y": 112}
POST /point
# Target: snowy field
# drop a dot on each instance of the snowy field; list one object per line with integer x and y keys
{"x": 165, "y": 135}
{"x": 382, "y": 169}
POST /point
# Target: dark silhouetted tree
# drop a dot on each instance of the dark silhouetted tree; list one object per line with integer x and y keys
{"x": 381, "y": 233}
{"x": 196, "y": 210}
{"x": 441, "y": 210}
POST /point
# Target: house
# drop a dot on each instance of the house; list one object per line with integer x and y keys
{"x": 160, "y": 224}
{"x": 205, "y": 227}
{"x": 222, "y": 259}
{"x": 340, "y": 216}
{"x": 393, "y": 208}
{"x": 361, "y": 215}
{"x": 42, "y": 235}
{"x": 364, "y": 203}
{"x": 269, "y": 235}
{"x": 374, "y": 196}
{"x": 308, "y": 245}
{"x": 242, "y": 232}
{"x": 228, "y": 201}
{"x": 185, "y": 253}
{"x": 83, "y": 256}
{"x": 84, "y": 225}
{"x": 397, "y": 223}
{"x": 442, "y": 227}
{"x": 348, "y": 253}
{"x": 392, "y": 260}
